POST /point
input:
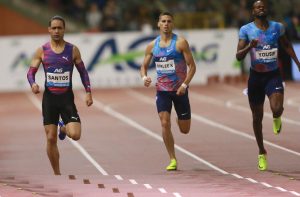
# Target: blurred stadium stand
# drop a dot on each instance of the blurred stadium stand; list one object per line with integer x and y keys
{"x": 24, "y": 24}
{"x": 20, "y": 17}
{"x": 140, "y": 15}
{"x": 30, "y": 17}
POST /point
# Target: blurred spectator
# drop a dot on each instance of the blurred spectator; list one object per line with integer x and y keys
{"x": 203, "y": 6}
{"x": 146, "y": 27}
{"x": 243, "y": 15}
{"x": 78, "y": 10}
{"x": 130, "y": 20}
{"x": 295, "y": 35}
{"x": 93, "y": 17}
{"x": 292, "y": 25}
{"x": 111, "y": 16}
{"x": 55, "y": 4}
{"x": 119, "y": 15}
{"x": 100, "y": 3}
{"x": 229, "y": 13}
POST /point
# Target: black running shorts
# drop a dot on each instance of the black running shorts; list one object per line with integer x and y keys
{"x": 59, "y": 105}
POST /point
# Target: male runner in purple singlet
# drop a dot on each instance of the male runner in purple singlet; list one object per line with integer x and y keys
{"x": 58, "y": 58}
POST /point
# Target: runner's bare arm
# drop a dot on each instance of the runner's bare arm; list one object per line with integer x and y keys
{"x": 144, "y": 68}
{"x": 286, "y": 44}
{"x": 243, "y": 48}
{"x": 184, "y": 47}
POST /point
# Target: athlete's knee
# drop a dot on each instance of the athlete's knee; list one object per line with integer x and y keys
{"x": 184, "y": 126}
{"x": 74, "y": 130}
{"x": 51, "y": 136}
{"x": 51, "y": 140}
{"x": 184, "y": 130}
{"x": 75, "y": 136}
{"x": 277, "y": 111}
{"x": 165, "y": 124}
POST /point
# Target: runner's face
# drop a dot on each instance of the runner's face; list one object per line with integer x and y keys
{"x": 259, "y": 10}
{"x": 165, "y": 23}
{"x": 56, "y": 30}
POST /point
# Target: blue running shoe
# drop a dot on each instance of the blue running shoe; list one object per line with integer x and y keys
{"x": 61, "y": 135}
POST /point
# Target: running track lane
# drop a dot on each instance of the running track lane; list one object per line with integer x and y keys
{"x": 111, "y": 141}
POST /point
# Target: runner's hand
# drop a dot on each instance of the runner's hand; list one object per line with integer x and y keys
{"x": 35, "y": 88}
{"x": 253, "y": 43}
{"x": 89, "y": 99}
{"x": 147, "y": 81}
{"x": 181, "y": 91}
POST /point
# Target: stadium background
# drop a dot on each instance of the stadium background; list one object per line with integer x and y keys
{"x": 121, "y": 152}
{"x": 113, "y": 20}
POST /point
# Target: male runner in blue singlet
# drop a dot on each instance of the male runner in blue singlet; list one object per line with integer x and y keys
{"x": 58, "y": 58}
{"x": 260, "y": 38}
{"x": 172, "y": 57}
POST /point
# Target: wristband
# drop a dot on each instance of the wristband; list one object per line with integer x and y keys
{"x": 144, "y": 78}
{"x": 184, "y": 85}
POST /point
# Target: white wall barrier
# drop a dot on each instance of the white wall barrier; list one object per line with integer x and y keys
{"x": 113, "y": 59}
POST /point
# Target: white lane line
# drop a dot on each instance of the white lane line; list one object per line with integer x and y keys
{"x": 207, "y": 99}
{"x": 231, "y": 104}
{"x": 237, "y": 176}
{"x": 212, "y": 123}
{"x": 295, "y": 193}
{"x": 162, "y": 190}
{"x": 251, "y": 180}
{"x": 132, "y": 181}
{"x": 118, "y": 177}
{"x": 88, "y": 157}
{"x": 266, "y": 184}
{"x": 139, "y": 127}
{"x": 293, "y": 102}
{"x": 240, "y": 133}
{"x": 146, "y": 99}
{"x": 34, "y": 100}
{"x": 175, "y": 194}
{"x": 281, "y": 189}
{"x": 148, "y": 186}
{"x": 233, "y": 89}
{"x": 141, "y": 97}
{"x": 37, "y": 103}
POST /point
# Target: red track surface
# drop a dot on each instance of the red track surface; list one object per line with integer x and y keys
{"x": 121, "y": 134}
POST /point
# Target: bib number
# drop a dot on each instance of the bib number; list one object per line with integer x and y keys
{"x": 165, "y": 67}
{"x": 266, "y": 54}
{"x": 58, "y": 79}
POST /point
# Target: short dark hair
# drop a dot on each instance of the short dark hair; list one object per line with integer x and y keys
{"x": 255, "y": 1}
{"x": 165, "y": 13}
{"x": 57, "y": 17}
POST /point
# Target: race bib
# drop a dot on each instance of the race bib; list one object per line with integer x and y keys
{"x": 58, "y": 79}
{"x": 266, "y": 54}
{"x": 165, "y": 67}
